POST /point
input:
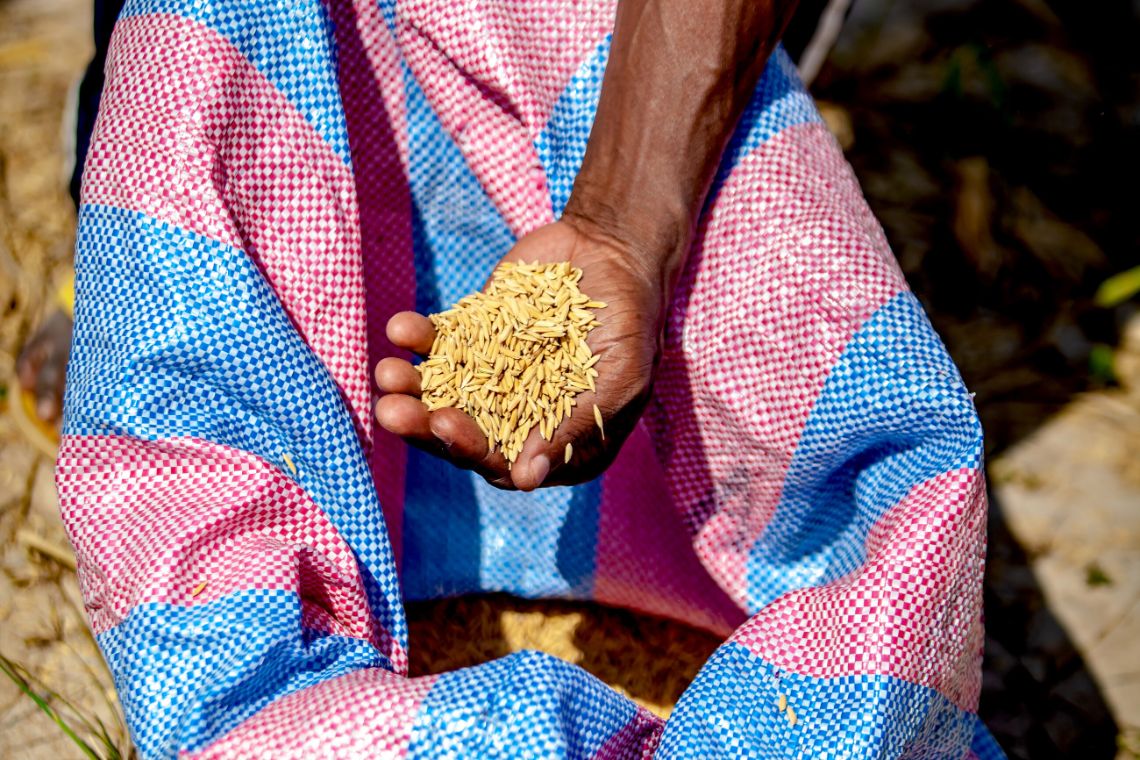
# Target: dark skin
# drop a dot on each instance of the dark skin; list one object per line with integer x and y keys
{"x": 679, "y": 77}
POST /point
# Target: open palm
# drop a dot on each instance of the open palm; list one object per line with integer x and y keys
{"x": 626, "y": 340}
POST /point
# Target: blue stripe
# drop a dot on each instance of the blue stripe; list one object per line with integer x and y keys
{"x": 290, "y": 43}
{"x": 984, "y": 744}
{"x": 460, "y": 234}
{"x": 779, "y": 102}
{"x": 892, "y": 414}
{"x": 561, "y": 145}
{"x": 179, "y": 335}
{"x": 732, "y": 710}
{"x": 525, "y": 705}
{"x": 537, "y": 544}
{"x": 188, "y": 675}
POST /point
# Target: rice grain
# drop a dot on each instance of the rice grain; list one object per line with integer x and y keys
{"x": 515, "y": 356}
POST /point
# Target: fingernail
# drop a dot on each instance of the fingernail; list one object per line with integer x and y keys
{"x": 539, "y": 469}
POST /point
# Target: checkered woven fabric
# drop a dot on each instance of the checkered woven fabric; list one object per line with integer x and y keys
{"x": 267, "y": 184}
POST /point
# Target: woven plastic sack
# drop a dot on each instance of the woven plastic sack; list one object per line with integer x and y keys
{"x": 268, "y": 183}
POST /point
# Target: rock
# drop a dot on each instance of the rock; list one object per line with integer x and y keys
{"x": 1048, "y": 640}
{"x": 1036, "y": 667}
{"x": 1064, "y": 729}
{"x": 1127, "y": 359}
{"x": 1116, "y": 659}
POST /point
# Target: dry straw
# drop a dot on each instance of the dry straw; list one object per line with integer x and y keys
{"x": 515, "y": 357}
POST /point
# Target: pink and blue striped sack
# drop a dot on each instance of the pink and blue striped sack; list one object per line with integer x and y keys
{"x": 267, "y": 184}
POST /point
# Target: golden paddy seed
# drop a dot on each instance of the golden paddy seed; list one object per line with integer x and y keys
{"x": 515, "y": 357}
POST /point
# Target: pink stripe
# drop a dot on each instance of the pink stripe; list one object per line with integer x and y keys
{"x": 367, "y": 713}
{"x": 518, "y": 53}
{"x": 537, "y": 48}
{"x": 192, "y": 134}
{"x": 912, "y": 611}
{"x": 372, "y": 91}
{"x": 157, "y": 521}
{"x": 492, "y": 73}
{"x": 789, "y": 263}
{"x": 637, "y": 739}
{"x": 645, "y": 556}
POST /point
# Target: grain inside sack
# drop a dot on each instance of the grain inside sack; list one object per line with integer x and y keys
{"x": 515, "y": 357}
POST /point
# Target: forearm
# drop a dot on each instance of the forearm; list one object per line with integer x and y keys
{"x": 679, "y": 76}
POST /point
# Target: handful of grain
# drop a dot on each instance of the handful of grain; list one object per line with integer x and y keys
{"x": 514, "y": 357}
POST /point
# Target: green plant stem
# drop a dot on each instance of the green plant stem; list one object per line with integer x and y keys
{"x": 13, "y": 672}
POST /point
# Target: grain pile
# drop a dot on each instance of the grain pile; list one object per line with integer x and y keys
{"x": 515, "y": 357}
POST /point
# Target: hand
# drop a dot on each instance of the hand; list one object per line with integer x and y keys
{"x": 627, "y": 341}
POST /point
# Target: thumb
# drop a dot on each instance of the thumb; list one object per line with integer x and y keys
{"x": 576, "y": 440}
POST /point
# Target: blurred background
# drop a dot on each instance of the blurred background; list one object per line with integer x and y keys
{"x": 998, "y": 141}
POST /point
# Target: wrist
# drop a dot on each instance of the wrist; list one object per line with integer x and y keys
{"x": 652, "y": 237}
